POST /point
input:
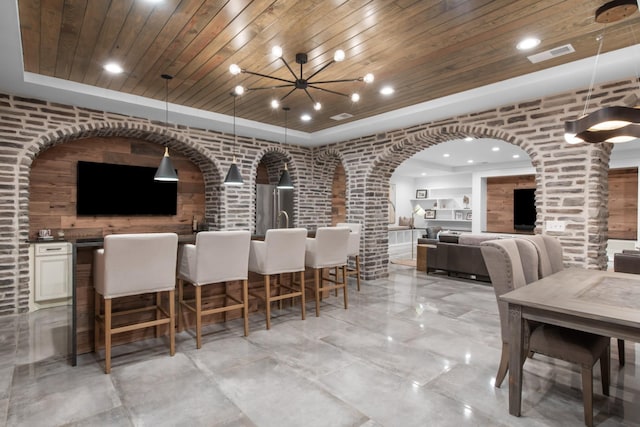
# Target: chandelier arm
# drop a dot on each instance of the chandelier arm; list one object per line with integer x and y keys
{"x": 271, "y": 87}
{"x": 268, "y": 77}
{"x": 328, "y": 90}
{"x": 359, "y": 79}
{"x": 290, "y": 92}
{"x": 310, "y": 97}
{"x": 321, "y": 68}
{"x": 289, "y": 68}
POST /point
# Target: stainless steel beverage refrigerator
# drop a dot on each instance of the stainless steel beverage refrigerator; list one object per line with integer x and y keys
{"x": 274, "y": 208}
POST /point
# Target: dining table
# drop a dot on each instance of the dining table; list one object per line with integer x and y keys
{"x": 596, "y": 301}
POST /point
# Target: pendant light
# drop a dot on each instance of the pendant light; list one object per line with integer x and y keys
{"x": 285, "y": 179}
{"x": 234, "y": 178}
{"x": 166, "y": 171}
{"x": 609, "y": 124}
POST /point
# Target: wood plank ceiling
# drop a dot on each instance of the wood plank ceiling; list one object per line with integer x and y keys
{"x": 424, "y": 49}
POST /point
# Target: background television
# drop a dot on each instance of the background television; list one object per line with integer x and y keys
{"x": 109, "y": 189}
{"x": 524, "y": 209}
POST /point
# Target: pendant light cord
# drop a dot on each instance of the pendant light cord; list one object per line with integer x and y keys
{"x": 600, "y": 38}
{"x": 235, "y": 138}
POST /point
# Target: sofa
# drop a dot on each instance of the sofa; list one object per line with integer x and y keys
{"x": 627, "y": 262}
{"x": 458, "y": 255}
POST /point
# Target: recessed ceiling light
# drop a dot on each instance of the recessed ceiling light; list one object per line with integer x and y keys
{"x": 113, "y": 68}
{"x": 423, "y": 174}
{"x": 446, "y": 155}
{"x": 305, "y": 117}
{"x": 387, "y": 90}
{"x": 468, "y": 139}
{"x": 495, "y": 149}
{"x": 516, "y": 156}
{"x": 528, "y": 43}
{"x": 469, "y": 161}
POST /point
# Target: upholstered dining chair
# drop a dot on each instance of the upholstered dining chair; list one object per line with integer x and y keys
{"x": 134, "y": 264}
{"x": 551, "y": 261}
{"x": 549, "y": 252}
{"x": 218, "y": 257}
{"x": 328, "y": 249}
{"x": 281, "y": 252}
{"x": 513, "y": 263}
{"x": 353, "y": 248}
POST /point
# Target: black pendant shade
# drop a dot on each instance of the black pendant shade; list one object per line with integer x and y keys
{"x": 233, "y": 177}
{"x": 166, "y": 171}
{"x": 285, "y": 179}
{"x": 609, "y": 124}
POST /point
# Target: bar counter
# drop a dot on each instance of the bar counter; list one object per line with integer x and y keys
{"x": 81, "y": 332}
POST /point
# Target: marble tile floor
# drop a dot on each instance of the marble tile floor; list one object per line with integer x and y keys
{"x": 411, "y": 350}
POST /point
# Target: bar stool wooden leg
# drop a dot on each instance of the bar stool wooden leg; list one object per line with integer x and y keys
{"x": 358, "y": 271}
{"x": 302, "y": 297}
{"x": 158, "y": 312}
{"x": 96, "y": 321}
{"x": 198, "y": 316}
{"x": 317, "y": 289}
{"x": 172, "y": 322}
{"x": 267, "y": 299}
{"x": 344, "y": 289}
{"x": 180, "y": 302}
{"x": 245, "y": 310}
{"x": 107, "y": 336}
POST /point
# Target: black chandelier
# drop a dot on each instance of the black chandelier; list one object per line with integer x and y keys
{"x": 299, "y": 81}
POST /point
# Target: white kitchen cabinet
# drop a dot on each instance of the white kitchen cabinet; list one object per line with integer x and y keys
{"x": 52, "y": 271}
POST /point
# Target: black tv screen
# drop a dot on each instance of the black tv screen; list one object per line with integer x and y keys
{"x": 524, "y": 209}
{"x": 109, "y": 189}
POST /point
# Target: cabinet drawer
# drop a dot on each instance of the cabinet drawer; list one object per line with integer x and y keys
{"x": 56, "y": 248}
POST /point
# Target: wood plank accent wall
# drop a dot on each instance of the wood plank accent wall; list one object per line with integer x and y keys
{"x": 52, "y": 205}
{"x": 500, "y": 201}
{"x": 52, "y": 189}
{"x": 623, "y": 204}
{"x": 339, "y": 196}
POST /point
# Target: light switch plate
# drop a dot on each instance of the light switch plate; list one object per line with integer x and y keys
{"x": 554, "y": 225}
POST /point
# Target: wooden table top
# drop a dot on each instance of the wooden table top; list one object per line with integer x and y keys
{"x": 590, "y": 294}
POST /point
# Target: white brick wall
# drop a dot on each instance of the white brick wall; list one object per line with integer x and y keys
{"x": 571, "y": 180}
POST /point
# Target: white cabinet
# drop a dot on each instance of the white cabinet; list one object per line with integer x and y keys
{"x": 52, "y": 271}
{"x": 447, "y": 207}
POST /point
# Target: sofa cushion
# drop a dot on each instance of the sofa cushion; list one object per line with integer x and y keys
{"x": 476, "y": 239}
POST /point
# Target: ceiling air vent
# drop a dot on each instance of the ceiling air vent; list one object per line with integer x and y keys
{"x": 551, "y": 53}
{"x": 342, "y": 116}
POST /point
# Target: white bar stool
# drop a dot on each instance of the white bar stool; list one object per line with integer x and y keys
{"x": 217, "y": 257}
{"x": 353, "y": 248}
{"x": 282, "y": 251}
{"x": 134, "y": 264}
{"x": 328, "y": 250}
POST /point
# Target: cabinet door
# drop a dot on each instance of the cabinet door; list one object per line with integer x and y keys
{"x": 53, "y": 277}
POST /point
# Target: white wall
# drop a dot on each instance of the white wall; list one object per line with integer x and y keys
{"x": 405, "y": 191}
{"x": 444, "y": 181}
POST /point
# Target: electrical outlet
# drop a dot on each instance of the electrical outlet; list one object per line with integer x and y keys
{"x": 554, "y": 225}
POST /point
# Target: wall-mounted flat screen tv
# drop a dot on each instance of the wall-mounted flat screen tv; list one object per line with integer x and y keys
{"x": 109, "y": 189}
{"x": 524, "y": 209}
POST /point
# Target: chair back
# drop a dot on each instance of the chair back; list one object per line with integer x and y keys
{"x": 554, "y": 251}
{"x": 549, "y": 254}
{"x": 511, "y": 263}
{"x": 329, "y": 248}
{"x": 131, "y": 264}
{"x": 282, "y": 251}
{"x": 353, "y": 247}
{"x": 220, "y": 256}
